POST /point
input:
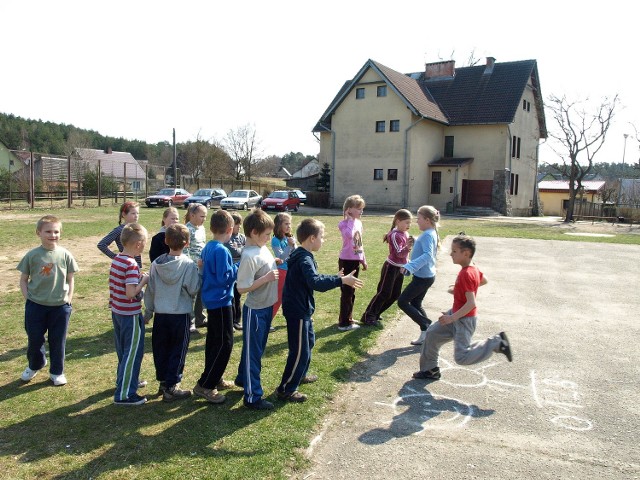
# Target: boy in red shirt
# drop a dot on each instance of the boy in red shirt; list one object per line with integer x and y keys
{"x": 459, "y": 323}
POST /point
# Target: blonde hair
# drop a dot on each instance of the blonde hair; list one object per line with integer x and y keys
{"x": 47, "y": 219}
{"x": 433, "y": 215}
{"x": 133, "y": 232}
{"x": 400, "y": 215}
{"x": 353, "y": 201}
{"x": 168, "y": 212}
{"x": 193, "y": 208}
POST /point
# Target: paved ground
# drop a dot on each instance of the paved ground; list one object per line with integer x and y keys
{"x": 567, "y": 407}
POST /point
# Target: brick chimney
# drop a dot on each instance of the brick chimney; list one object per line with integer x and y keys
{"x": 488, "y": 69}
{"x": 440, "y": 69}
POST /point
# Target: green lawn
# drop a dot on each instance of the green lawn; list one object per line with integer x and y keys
{"x": 76, "y": 432}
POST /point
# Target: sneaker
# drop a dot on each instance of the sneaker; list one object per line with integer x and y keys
{"x": 347, "y": 327}
{"x": 175, "y": 393}
{"x": 225, "y": 384}
{"x": 433, "y": 374}
{"x": 259, "y": 405}
{"x": 210, "y": 395}
{"x": 193, "y": 329}
{"x": 295, "y": 397}
{"x": 420, "y": 339}
{"x": 28, "y": 374}
{"x": 237, "y": 326}
{"x": 201, "y": 324}
{"x": 272, "y": 328}
{"x": 161, "y": 388}
{"x": 371, "y": 323}
{"x": 505, "y": 346}
{"x": 134, "y": 399}
{"x": 142, "y": 383}
{"x": 58, "y": 380}
{"x": 309, "y": 379}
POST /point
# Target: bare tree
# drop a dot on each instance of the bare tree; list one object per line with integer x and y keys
{"x": 243, "y": 148}
{"x": 581, "y": 135}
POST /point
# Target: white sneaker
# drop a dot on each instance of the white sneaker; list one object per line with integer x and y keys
{"x": 59, "y": 379}
{"x": 346, "y": 328}
{"x": 28, "y": 374}
{"x": 420, "y": 339}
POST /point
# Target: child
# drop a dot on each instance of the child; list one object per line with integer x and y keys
{"x": 282, "y": 244}
{"x": 391, "y": 277}
{"x": 168, "y": 298}
{"x": 298, "y": 306}
{"x": 459, "y": 323}
{"x": 125, "y": 295}
{"x": 235, "y": 245}
{"x": 423, "y": 268}
{"x": 194, "y": 219}
{"x": 258, "y": 278}
{"x": 351, "y": 257}
{"x": 47, "y": 284}
{"x": 129, "y": 213}
{"x": 218, "y": 278}
{"x": 158, "y": 245}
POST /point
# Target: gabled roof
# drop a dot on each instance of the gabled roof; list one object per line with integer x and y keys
{"x": 469, "y": 97}
{"x": 112, "y": 163}
{"x": 591, "y": 186}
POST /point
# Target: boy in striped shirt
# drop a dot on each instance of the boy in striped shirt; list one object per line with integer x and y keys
{"x": 125, "y": 294}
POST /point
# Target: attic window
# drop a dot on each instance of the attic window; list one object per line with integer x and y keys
{"x": 382, "y": 91}
{"x": 359, "y": 93}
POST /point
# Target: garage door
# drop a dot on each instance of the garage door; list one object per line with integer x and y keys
{"x": 476, "y": 193}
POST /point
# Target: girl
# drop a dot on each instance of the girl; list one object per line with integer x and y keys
{"x": 129, "y": 213}
{"x": 391, "y": 277}
{"x": 158, "y": 247}
{"x": 351, "y": 257}
{"x": 282, "y": 244}
{"x": 423, "y": 268}
{"x": 194, "y": 220}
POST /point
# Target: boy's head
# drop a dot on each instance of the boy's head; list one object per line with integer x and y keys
{"x": 221, "y": 224}
{"x": 310, "y": 232}
{"x": 237, "y": 222}
{"x": 134, "y": 236}
{"x": 257, "y": 225}
{"x": 177, "y": 236}
{"x": 48, "y": 229}
{"x": 463, "y": 248}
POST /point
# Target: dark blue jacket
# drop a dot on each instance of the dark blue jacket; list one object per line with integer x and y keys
{"x": 303, "y": 278}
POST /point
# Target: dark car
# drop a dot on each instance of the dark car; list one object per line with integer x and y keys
{"x": 241, "y": 200}
{"x": 167, "y": 197}
{"x": 281, "y": 200}
{"x": 207, "y": 197}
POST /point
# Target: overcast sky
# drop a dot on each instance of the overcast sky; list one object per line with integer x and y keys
{"x": 138, "y": 69}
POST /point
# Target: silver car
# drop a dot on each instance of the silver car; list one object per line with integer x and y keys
{"x": 241, "y": 200}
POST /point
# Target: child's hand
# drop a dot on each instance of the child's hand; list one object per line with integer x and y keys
{"x": 364, "y": 265}
{"x": 347, "y": 215}
{"x": 403, "y": 271}
{"x": 272, "y": 276}
{"x": 291, "y": 241}
{"x": 352, "y": 280}
{"x": 450, "y": 289}
{"x": 279, "y": 261}
{"x": 144, "y": 279}
{"x": 446, "y": 319}
{"x": 341, "y": 273}
{"x": 200, "y": 264}
{"x": 410, "y": 241}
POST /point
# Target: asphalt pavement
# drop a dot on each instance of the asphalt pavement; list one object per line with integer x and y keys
{"x": 567, "y": 407}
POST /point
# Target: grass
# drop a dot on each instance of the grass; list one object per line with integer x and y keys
{"x": 76, "y": 432}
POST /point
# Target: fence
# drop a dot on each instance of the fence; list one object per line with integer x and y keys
{"x": 595, "y": 211}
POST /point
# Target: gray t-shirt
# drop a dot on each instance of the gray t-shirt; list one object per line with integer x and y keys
{"x": 254, "y": 263}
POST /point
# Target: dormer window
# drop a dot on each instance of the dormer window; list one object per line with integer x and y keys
{"x": 382, "y": 91}
{"x": 359, "y": 93}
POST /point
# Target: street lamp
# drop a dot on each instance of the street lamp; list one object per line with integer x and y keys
{"x": 624, "y": 151}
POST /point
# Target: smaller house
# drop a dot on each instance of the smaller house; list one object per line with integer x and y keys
{"x": 283, "y": 173}
{"x": 554, "y": 195}
{"x": 120, "y": 165}
{"x": 8, "y": 159}
{"x": 311, "y": 168}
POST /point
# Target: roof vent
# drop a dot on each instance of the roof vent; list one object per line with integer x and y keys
{"x": 488, "y": 69}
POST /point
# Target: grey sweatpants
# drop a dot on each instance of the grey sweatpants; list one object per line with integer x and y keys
{"x": 464, "y": 352}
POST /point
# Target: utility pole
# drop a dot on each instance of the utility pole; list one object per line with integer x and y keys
{"x": 175, "y": 164}
{"x": 624, "y": 151}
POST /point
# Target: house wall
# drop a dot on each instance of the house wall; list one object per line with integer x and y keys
{"x": 552, "y": 201}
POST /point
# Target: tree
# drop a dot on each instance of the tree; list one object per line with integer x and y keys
{"x": 581, "y": 135}
{"x": 323, "y": 184}
{"x": 242, "y": 147}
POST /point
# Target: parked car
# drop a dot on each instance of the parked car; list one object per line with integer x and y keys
{"x": 167, "y": 197}
{"x": 207, "y": 197}
{"x": 241, "y": 200}
{"x": 301, "y": 195}
{"x": 281, "y": 200}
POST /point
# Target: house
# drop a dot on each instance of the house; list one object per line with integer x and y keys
{"x": 446, "y": 136}
{"x": 8, "y": 159}
{"x": 120, "y": 165}
{"x": 554, "y": 195}
{"x": 282, "y": 173}
{"x": 312, "y": 167}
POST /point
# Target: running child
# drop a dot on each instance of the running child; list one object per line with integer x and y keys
{"x": 129, "y": 213}
{"x": 194, "y": 220}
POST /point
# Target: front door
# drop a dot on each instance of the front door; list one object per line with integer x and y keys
{"x": 476, "y": 193}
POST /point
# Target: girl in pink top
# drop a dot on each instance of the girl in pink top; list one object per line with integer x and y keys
{"x": 390, "y": 285}
{"x": 351, "y": 257}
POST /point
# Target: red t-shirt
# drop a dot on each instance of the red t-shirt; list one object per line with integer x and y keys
{"x": 468, "y": 280}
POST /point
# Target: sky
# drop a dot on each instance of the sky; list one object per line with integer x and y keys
{"x": 139, "y": 69}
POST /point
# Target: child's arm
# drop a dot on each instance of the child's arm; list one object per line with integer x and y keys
{"x": 352, "y": 280}
{"x": 71, "y": 281}
{"x": 469, "y": 305}
{"x": 132, "y": 290}
{"x": 24, "y": 281}
{"x": 270, "y": 276}
{"x": 105, "y": 243}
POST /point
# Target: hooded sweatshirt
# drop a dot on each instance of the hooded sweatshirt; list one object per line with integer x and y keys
{"x": 173, "y": 283}
{"x": 303, "y": 278}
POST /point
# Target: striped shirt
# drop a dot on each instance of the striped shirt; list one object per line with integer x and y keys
{"x": 124, "y": 271}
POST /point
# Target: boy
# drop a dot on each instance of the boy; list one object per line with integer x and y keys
{"x": 235, "y": 245}
{"x": 257, "y": 277}
{"x": 298, "y": 306}
{"x": 459, "y": 323}
{"x": 173, "y": 284}
{"x": 47, "y": 284}
{"x": 125, "y": 296}
{"x": 218, "y": 279}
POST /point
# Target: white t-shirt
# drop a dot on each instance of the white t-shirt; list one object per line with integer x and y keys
{"x": 254, "y": 263}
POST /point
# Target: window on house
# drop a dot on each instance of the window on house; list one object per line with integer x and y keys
{"x": 513, "y": 187}
{"x": 378, "y": 174}
{"x": 565, "y": 204}
{"x": 518, "y": 149}
{"x": 394, "y": 126}
{"x": 528, "y": 106}
{"x": 359, "y": 93}
{"x": 392, "y": 174}
{"x": 436, "y": 182}
{"x": 524, "y": 104}
{"x": 380, "y": 126}
{"x": 513, "y": 147}
{"x": 448, "y": 146}
{"x": 135, "y": 185}
{"x": 382, "y": 91}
